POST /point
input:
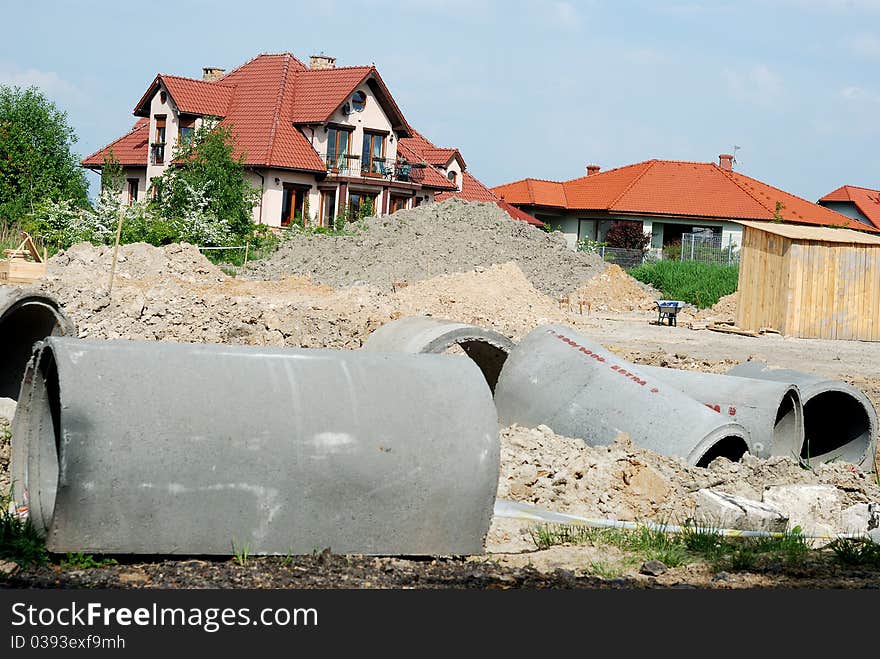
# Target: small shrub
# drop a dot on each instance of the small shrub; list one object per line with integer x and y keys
{"x": 672, "y": 251}
{"x": 627, "y": 235}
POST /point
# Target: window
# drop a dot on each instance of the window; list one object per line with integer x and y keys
{"x": 328, "y": 208}
{"x": 295, "y": 204}
{"x": 158, "y": 145}
{"x": 373, "y": 155}
{"x": 186, "y": 131}
{"x": 358, "y": 101}
{"x": 398, "y": 203}
{"x": 452, "y": 176}
{"x": 132, "y": 191}
{"x": 337, "y": 149}
{"x": 362, "y": 204}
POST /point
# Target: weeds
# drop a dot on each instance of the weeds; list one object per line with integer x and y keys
{"x": 19, "y": 540}
{"x": 81, "y": 561}
{"x": 241, "y": 555}
{"x": 700, "y": 284}
{"x": 856, "y": 551}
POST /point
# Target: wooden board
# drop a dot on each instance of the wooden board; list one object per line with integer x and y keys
{"x": 19, "y": 271}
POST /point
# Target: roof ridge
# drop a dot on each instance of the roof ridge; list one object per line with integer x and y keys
{"x": 728, "y": 174}
{"x": 650, "y": 163}
{"x": 276, "y": 112}
{"x": 229, "y": 85}
{"x": 339, "y": 68}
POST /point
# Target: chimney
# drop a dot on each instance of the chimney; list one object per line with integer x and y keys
{"x": 725, "y": 162}
{"x": 211, "y": 73}
{"x": 593, "y": 169}
{"x": 322, "y": 62}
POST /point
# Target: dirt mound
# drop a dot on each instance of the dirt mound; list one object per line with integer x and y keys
{"x": 614, "y": 290}
{"x": 499, "y": 297}
{"x": 136, "y": 261}
{"x": 624, "y": 482}
{"x": 435, "y": 239}
{"x": 723, "y": 311}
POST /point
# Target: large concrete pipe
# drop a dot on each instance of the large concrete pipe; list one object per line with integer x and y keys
{"x": 558, "y": 377}
{"x": 164, "y": 448}
{"x": 771, "y": 411}
{"x": 840, "y": 423}
{"x": 26, "y": 316}
{"x": 420, "y": 334}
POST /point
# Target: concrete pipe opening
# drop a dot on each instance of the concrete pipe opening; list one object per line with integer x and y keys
{"x": 420, "y": 334}
{"x": 837, "y": 424}
{"x": 732, "y": 447}
{"x": 25, "y": 318}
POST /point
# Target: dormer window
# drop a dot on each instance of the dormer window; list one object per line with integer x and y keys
{"x": 358, "y": 101}
{"x": 453, "y": 177}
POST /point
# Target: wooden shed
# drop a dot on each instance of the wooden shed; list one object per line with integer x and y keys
{"x": 811, "y": 282}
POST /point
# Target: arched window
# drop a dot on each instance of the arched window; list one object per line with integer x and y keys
{"x": 358, "y": 101}
{"x": 452, "y": 176}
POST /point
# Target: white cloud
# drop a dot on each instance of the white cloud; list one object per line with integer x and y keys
{"x": 757, "y": 86}
{"x": 565, "y": 15}
{"x": 865, "y": 45}
{"x": 49, "y": 82}
{"x": 861, "y": 94}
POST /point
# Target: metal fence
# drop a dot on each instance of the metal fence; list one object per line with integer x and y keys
{"x": 625, "y": 258}
{"x": 707, "y": 248}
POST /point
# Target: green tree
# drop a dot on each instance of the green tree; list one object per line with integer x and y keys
{"x": 36, "y": 160}
{"x": 207, "y": 181}
{"x": 112, "y": 174}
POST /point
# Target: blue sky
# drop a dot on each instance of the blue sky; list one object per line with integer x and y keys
{"x": 522, "y": 88}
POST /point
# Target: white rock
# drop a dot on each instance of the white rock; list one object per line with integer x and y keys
{"x": 814, "y": 508}
{"x": 860, "y": 518}
{"x": 722, "y": 510}
{"x": 7, "y": 408}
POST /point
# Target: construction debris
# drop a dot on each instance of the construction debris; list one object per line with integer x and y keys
{"x": 24, "y": 264}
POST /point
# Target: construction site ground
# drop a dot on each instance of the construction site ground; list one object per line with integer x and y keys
{"x": 173, "y": 293}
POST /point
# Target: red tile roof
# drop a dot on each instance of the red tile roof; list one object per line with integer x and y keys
{"x": 130, "y": 149}
{"x": 471, "y": 190}
{"x": 518, "y": 214}
{"x": 199, "y": 97}
{"x": 865, "y": 199}
{"x": 426, "y": 176}
{"x": 321, "y": 92}
{"x": 670, "y": 187}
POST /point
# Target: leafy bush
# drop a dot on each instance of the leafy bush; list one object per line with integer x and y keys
{"x": 700, "y": 284}
{"x": 672, "y": 251}
{"x": 628, "y": 235}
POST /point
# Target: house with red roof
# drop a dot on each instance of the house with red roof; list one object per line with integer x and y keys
{"x": 314, "y": 139}
{"x": 668, "y": 198}
{"x": 862, "y": 204}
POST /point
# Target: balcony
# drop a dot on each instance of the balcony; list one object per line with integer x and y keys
{"x": 157, "y": 153}
{"x": 379, "y": 168}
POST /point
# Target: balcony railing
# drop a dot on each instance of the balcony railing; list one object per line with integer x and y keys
{"x": 387, "y": 168}
{"x": 157, "y": 153}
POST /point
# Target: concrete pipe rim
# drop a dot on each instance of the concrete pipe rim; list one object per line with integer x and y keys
{"x": 43, "y": 437}
{"x": 853, "y": 443}
{"x": 787, "y": 435}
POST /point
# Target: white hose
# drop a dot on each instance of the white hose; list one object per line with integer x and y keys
{"x": 517, "y": 510}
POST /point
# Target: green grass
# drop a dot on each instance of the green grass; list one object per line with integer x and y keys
{"x": 689, "y": 546}
{"x": 700, "y": 284}
{"x": 81, "y": 561}
{"x": 856, "y": 552}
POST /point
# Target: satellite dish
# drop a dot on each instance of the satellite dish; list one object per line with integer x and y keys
{"x": 346, "y": 109}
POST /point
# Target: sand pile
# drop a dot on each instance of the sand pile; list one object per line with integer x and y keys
{"x": 614, "y": 290}
{"x": 431, "y": 240}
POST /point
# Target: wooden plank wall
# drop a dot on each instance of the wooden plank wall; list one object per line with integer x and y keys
{"x": 809, "y": 289}
{"x": 763, "y": 281}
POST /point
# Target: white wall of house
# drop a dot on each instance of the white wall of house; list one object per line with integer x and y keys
{"x": 273, "y": 193}
{"x": 454, "y": 166}
{"x": 172, "y": 123}
{"x": 848, "y": 209}
{"x": 371, "y": 117}
{"x": 139, "y": 173}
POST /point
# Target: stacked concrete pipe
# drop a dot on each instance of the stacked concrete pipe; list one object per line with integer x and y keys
{"x": 559, "y": 378}
{"x": 840, "y": 423}
{"x": 163, "y": 448}
{"x": 26, "y": 316}
{"x": 421, "y": 334}
{"x": 771, "y": 411}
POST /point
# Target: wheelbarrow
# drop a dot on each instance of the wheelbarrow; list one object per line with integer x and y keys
{"x": 668, "y": 309}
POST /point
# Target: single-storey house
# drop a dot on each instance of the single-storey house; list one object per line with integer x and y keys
{"x": 862, "y": 204}
{"x": 668, "y": 198}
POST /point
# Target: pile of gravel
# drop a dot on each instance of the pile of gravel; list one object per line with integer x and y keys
{"x": 434, "y": 239}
